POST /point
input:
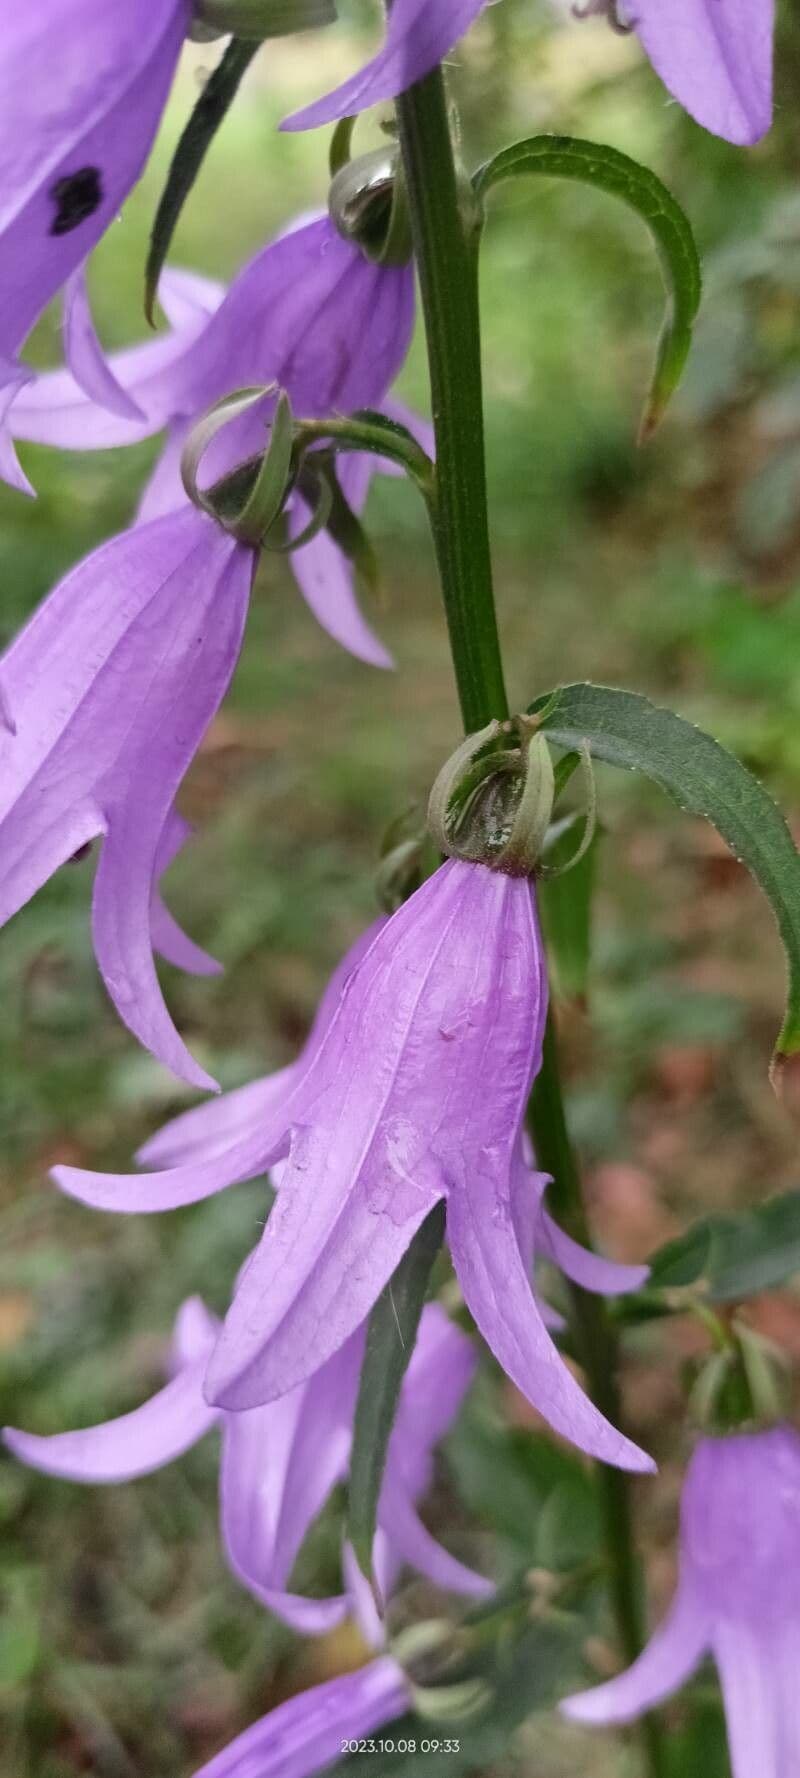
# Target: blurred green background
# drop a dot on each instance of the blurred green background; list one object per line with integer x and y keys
{"x": 125, "y": 1648}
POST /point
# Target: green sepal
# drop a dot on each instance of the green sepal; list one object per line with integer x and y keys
{"x": 260, "y": 19}
{"x": 593, "y": 163}
{"x": 625, "y": 729}
{"x": 391, "y": 1334}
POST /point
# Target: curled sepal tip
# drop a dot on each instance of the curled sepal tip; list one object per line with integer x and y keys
{"x": 272, "y": 479}
{"x": 492, "y": 801}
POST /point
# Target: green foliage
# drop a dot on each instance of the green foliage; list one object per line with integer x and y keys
{"x": 391, "y": 1334}
{"x": 627, "y": 730}
{"x": 594, "y": 163}
{"x": 730, "y": 1257}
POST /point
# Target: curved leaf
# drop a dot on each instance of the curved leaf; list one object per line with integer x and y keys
{"x": 625, "y": 729}
{"x": 592, "y": 163}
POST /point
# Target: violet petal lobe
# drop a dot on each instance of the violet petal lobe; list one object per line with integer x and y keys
{"x": 82, "y": 88}
{"x": 419, "y": 33}
{"x": 55, "y": 410}
{"x": 715, "y": 56}
{"x": 168, "y": 938}
{"x": 305, "y": 1734}
{"x": 497, "y": 1292}
{"x": 669, "y": 1659}
{"x": 84, "y": 354}
{"x": 134, "y": 1445}
{"x": 591, "y": 1270}
{"x": 110, "y": 688}
{"x": 280, "y": 1463}
{"x": 219, "y": 1144}
{"x": 746, "y": 1661}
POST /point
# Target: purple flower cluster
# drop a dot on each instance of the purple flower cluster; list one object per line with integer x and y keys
{"x": 411, "y": 1090}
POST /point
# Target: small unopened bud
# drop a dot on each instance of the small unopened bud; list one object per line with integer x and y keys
{"x": 367, "y": 205}
{"x": 492, "y": 802}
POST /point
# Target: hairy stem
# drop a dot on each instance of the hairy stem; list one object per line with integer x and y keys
{"x": 443, "y": 229}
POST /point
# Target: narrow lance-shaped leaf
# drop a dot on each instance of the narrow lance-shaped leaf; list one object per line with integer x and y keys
{"x": 212, "y": 106}
{"x": 391, "y": 1333}
{"x": 625, "y": 729}
{"x": 592, "y": 163}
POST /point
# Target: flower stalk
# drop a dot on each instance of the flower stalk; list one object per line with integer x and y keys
{"x": 445, "y": 237}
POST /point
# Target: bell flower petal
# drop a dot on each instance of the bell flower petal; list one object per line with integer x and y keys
{"x": 84, "y": 354}
{"x": 418, "y": 35}
{"x": 386, "y": 1121}
{"x": 715, "y": 56}
{"x": 221, "y": 1143}
{"x": 167, "y": 936}
{"x": 498, "y": 1294}
{"x": 669, "y": 1659}
{"x": 591, "y": 1270}
{"x": 82, "y": 88}
{"x": 133, "y": 1445}
{"x": 110, "y": 688}
{"x": 55, "y": 409}
{"x": 737, "y": 1597}
{"x": 305, "y": 1734}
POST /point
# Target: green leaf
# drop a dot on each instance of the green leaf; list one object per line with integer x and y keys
{"x": 593, "y": 163}
{"x": 565, "y": 904}
{"x": 212, "y": 106}
{"x": 391, "y": 1333}
{"x": 736, "y": 1255}
{"x": 536, "y": 1496}
{"x": 625, "y": 729}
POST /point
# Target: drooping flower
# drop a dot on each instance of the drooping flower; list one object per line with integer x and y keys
{"x": 736, "y": 1600}
{"x": 82, "y": 88}
{"x": 714, "y": 56}
{"x": 309, "y": 313}
{"x": 419, "y": 33}
{"x": 306, "y": 1733}
{"x": 416, "y": 1093}
{"x": 105, "y": 697}
{"x": 281, "y": 1462}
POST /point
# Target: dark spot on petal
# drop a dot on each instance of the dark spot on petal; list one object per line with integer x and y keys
{"x": 76, "y": 197}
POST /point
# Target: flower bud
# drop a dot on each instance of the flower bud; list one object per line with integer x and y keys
{"x": 493, "y": 799}
{"x": 367, "y": 204}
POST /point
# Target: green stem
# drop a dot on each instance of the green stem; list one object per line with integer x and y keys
{"x": 444, "y": 245}
{"x": 447, "y": 266}
{"x": 598, "y": 1349}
